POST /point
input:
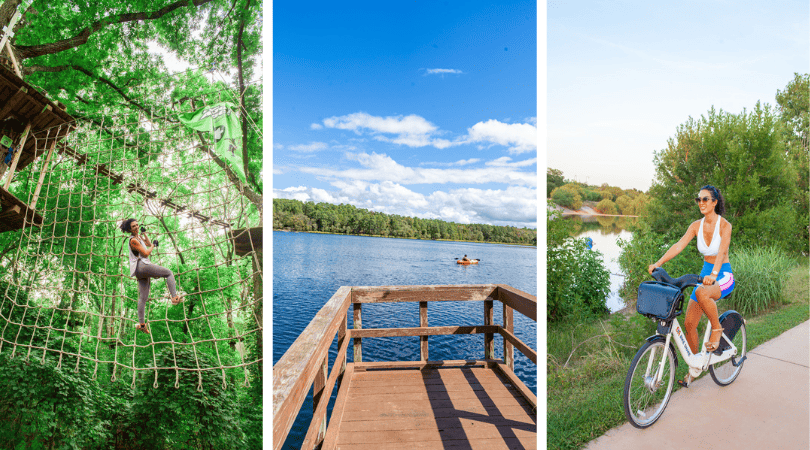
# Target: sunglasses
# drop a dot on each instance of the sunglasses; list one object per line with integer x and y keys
{"x": 704, "y": 199}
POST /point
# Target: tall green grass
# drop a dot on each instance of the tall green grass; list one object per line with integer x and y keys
{"x": 759, "y": 279}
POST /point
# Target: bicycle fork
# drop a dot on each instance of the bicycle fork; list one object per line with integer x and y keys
{"x": 652, "y": 383}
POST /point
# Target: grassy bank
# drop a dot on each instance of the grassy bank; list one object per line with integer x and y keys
{"x": 588, "y": 362}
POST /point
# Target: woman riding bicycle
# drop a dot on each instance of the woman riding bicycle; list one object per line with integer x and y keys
{"x": 713, "y": 237}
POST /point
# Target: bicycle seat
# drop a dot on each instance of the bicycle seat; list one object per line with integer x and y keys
{"x": 682, "y": 282}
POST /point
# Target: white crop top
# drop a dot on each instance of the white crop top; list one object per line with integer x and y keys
{"x": 134, "y": 256}
{"x": 713, "y": 249}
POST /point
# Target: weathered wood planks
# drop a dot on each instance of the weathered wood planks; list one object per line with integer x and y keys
{"x": 295, "y": 372}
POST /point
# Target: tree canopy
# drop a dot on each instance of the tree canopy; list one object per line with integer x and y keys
{"x": 66, "y": 302}
{"x": 347, "y": 219}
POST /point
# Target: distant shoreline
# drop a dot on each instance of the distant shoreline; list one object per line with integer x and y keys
{"x": 583, "y": 213}
{"x": 409, "y": 238}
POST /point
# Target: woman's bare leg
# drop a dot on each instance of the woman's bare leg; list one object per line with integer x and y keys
{"x": 706, "y": 297}
{"x": 693, "y": 314}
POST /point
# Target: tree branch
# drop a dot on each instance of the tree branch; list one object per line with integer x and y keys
{"x": 32, "y": 51}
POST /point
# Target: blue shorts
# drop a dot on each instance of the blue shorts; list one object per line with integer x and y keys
{"x": 725, "y": 279}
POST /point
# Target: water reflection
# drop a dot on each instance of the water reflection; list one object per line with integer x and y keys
{"x": 605, "y": 232}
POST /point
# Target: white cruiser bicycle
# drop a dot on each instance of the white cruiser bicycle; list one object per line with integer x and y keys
{"x": 649, "y": 382}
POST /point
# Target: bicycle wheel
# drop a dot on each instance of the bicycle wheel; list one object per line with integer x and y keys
{"x": 644, "y": 397}
{"x": 724, "y": 373}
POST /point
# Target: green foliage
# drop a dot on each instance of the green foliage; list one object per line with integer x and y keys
{"x": 578, "y": 282}
{"x": 554, "y": 179}
{"x": 759, "y": 279}
{"x": 794, "y": 113}
{"x": 567, "y": 196}
{"x": 645, "y": 248}
{"x": 346, "y": 219}
{"x": 47, "y": 407}
{"x": 744, "y": 156}
{"x": 181, "y": 416}
{"x": 607, "y": 207}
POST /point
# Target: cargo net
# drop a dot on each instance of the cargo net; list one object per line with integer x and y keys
{"x": 65, "y": 285}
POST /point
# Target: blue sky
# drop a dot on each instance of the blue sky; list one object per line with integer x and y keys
{"x": 622, "y": 75}
{"x": 417, "y": 108}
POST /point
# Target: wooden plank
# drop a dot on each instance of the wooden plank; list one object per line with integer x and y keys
{"x": 423, "y": 323}
{"x": 524, "y": 391}
{"x": 330, "y": 440}
{"x": 470, "y": 376}
{"x": 483, "y": 395}
{"x": 465, "y": 403}
{"x": 525, "y": 443}
{"x": 12, "y": 102}
{"x": 425, "y": 391}
{"x": 471, "y": 432}
{"x": 317, "y": 426}
{"x": 383, "y": 294}
{"x": 444, "y": 423}
{"x": 522, "y": 412}
{"x": 489, "y": 338}
{"x": 296, "y": 370}
{"x": 318, "y": 395}
{"x": 518, "y": 300}
{"x": 17, "y": 154}
{"x": 520, "y": 345}
{"x": 357, "y": 326}
{"x": 419, "y": 331}
{"x": 342, "y": 338}
{"x": 508, "y": 348}
{"x": 419, "y": 364}
{"x": 42, "y": 176}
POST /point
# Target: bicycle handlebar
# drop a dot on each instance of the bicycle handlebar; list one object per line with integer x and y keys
{"x": 682, "y": 282}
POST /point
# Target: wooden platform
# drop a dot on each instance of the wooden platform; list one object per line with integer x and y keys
{"x": 431, "y": 408}
{"x": 14, "y": 214}
{"x": 49, "y": 121}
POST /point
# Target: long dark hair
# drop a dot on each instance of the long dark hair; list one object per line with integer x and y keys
{"x": 720, "y": 207}
{"x": 126, "y": 225}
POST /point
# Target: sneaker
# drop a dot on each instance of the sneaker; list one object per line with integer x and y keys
{"x": 142, "y": 327}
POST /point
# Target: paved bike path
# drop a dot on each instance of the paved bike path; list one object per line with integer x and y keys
{"x": 766, "y": 407}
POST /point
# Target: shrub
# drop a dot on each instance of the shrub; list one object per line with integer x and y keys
{"x": 578, "y": 282}
{"x": 645, "y": 248}
{"x": 567, "y": 196}
{"x": 759, "y": 278}
{"x": 46, "y": 407}
{"x": 607, "y": 207}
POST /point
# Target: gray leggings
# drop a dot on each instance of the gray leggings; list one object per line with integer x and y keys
{"x": 143, "y": 272}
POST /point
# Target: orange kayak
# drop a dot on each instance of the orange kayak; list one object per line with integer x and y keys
{"x": 472, "y": 261}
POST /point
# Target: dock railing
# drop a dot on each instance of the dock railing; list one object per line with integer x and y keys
{"x": 305, "y": 364}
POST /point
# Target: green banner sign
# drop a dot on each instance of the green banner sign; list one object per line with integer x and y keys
{"x": 222, "y": 121}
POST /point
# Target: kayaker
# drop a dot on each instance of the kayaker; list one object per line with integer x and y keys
{"x": 465, "y": 258}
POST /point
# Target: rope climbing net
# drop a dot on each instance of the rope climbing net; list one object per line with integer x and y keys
{"x": 65, "y": 285}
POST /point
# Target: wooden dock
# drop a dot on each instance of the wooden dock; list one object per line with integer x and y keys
{"x": 425, "y": 404}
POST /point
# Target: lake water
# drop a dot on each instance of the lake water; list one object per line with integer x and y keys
{"x": 605, "y": 232}
{"x": 309, "y": 268}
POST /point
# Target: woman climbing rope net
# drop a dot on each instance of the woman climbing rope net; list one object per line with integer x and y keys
{"x": 140, "y": 267}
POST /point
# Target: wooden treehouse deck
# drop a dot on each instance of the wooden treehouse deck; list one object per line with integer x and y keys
{"x": 42, "y": 124}
{"x": 421, "y": 404}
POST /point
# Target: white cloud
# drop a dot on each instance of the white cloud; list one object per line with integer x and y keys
{"x": 278, "y": 146}
{"x": 309, "y": 148}
{"x": 411, "y": 130}
{"x": 521, "y": 136}
{"x": 441, "y": 71}
{"x": 411, "y": 124}
{"x": 505, "y": 161}
{"x": 461, "y": 162}
{"x": 315, "y": 126}
{"x": 514, "y": 205}
{"x": 381, "y": 167}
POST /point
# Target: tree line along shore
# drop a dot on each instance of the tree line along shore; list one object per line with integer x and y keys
{"x": 295, "y": 215}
